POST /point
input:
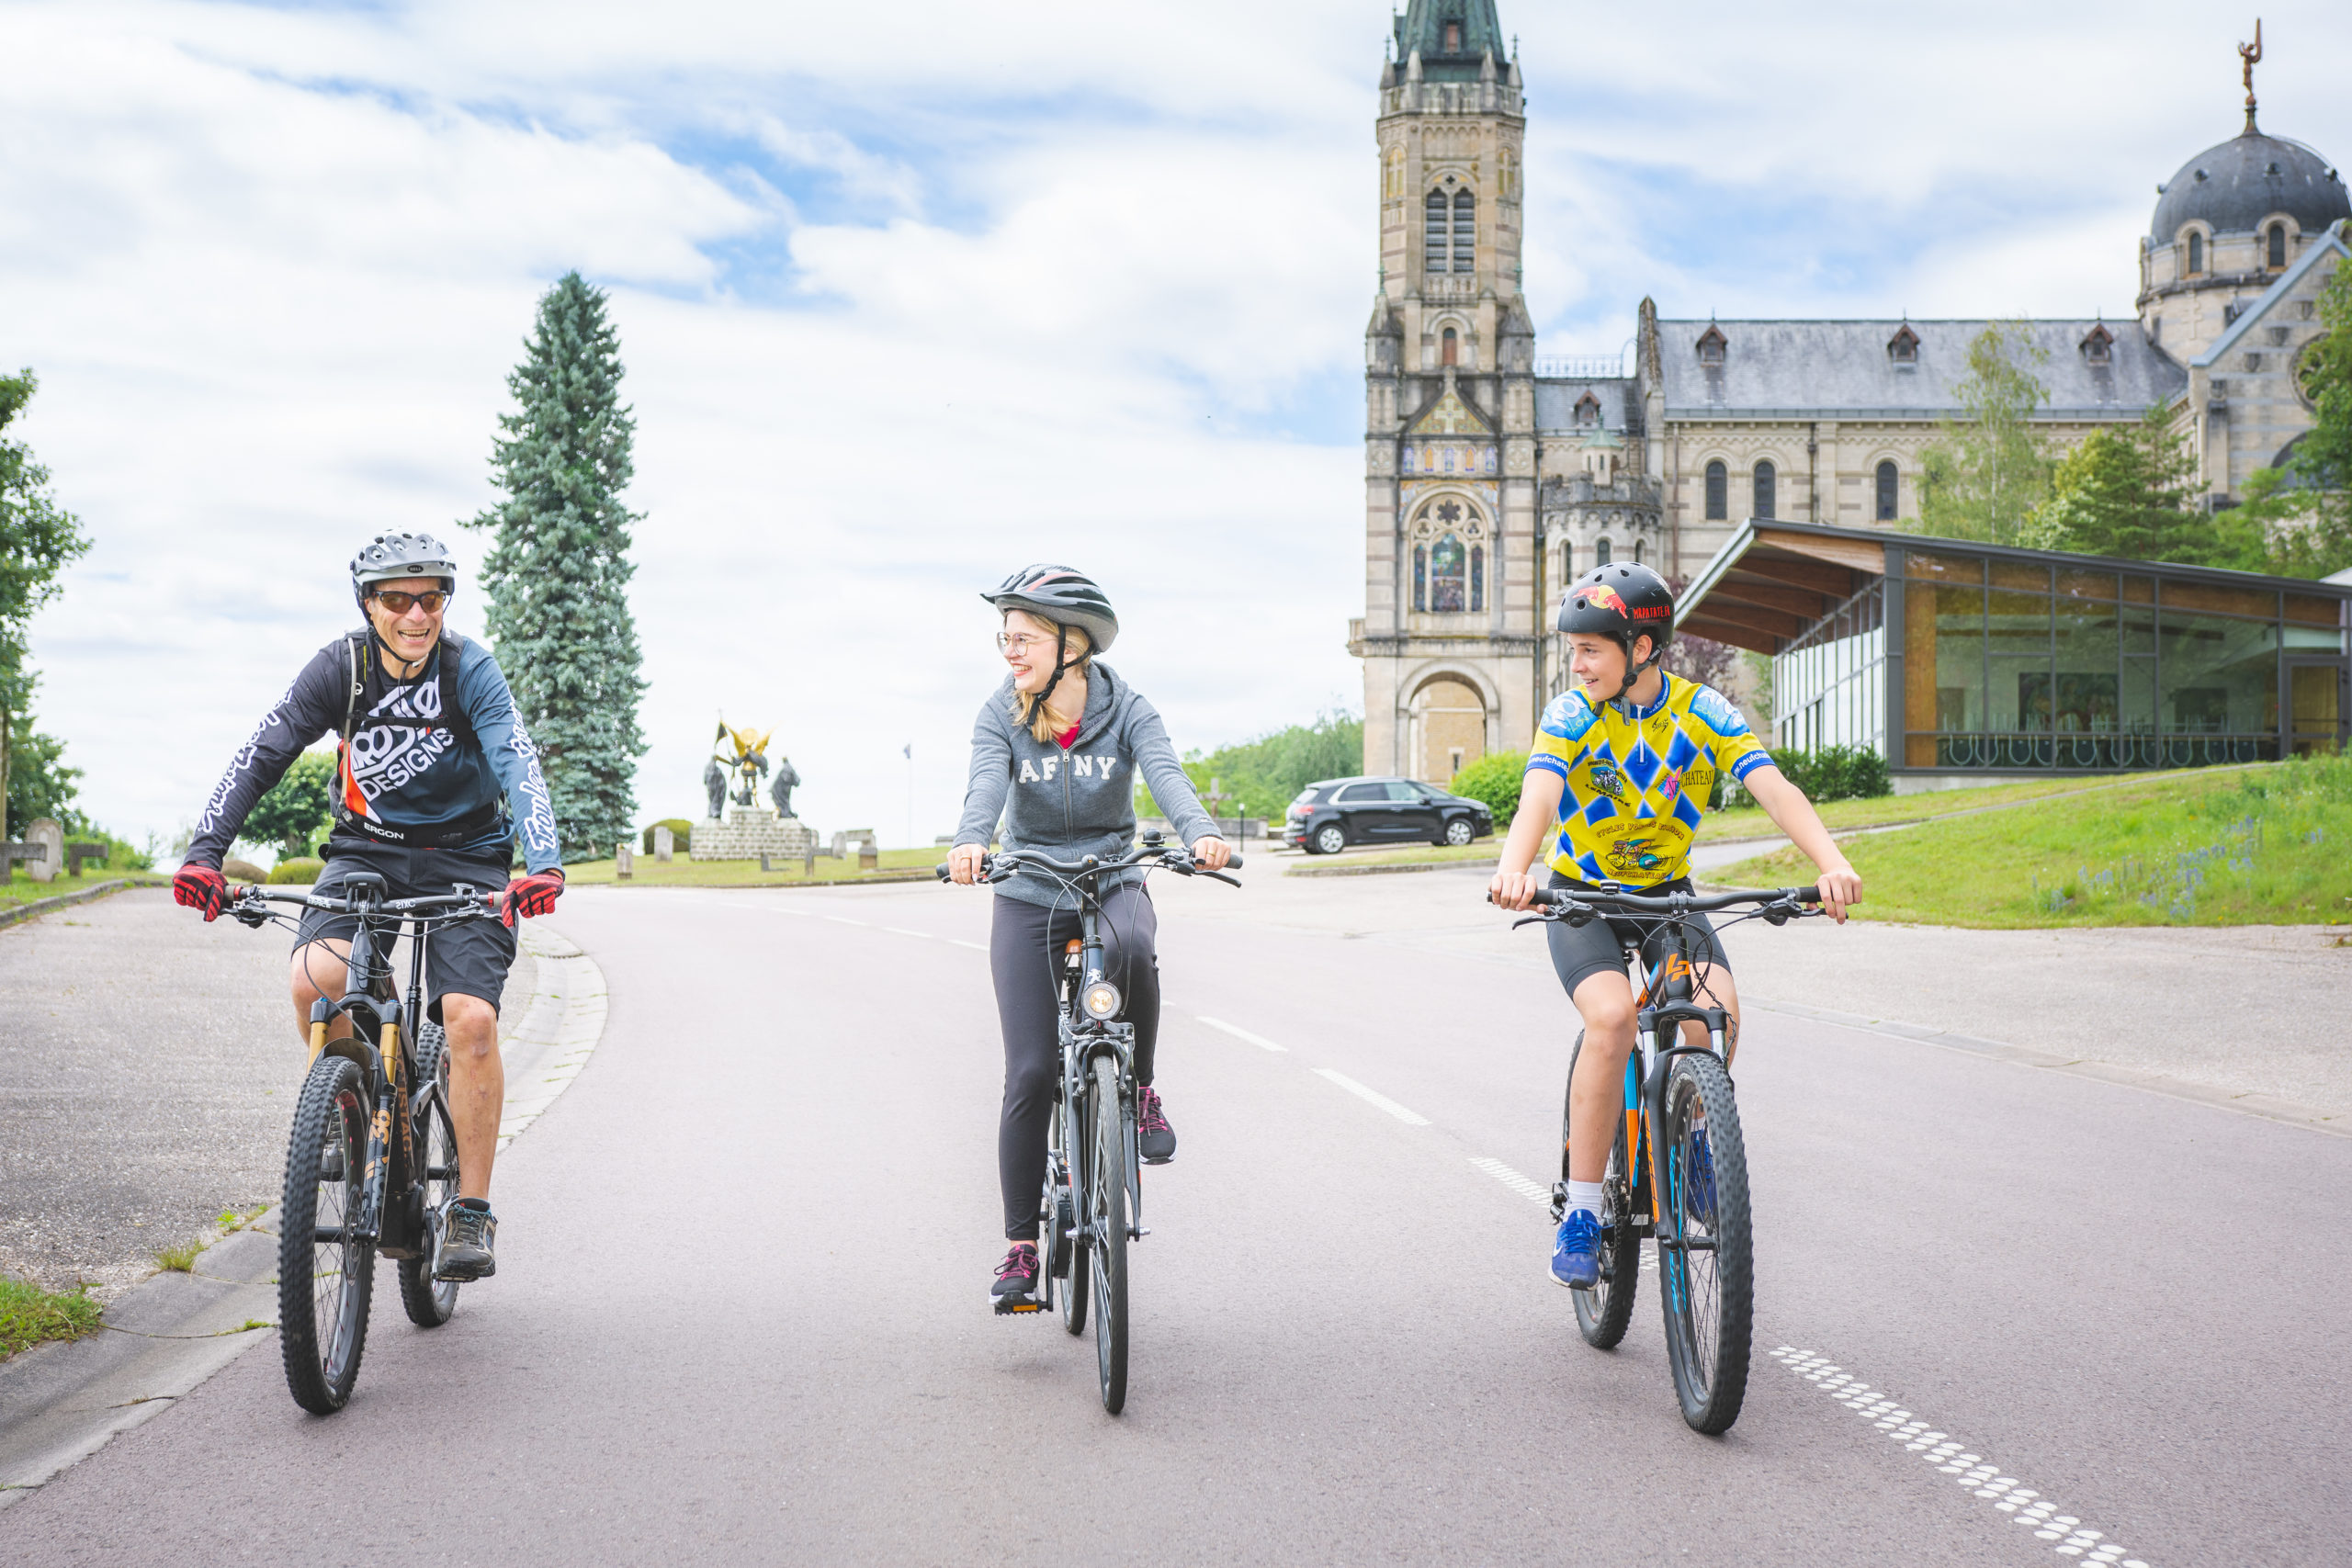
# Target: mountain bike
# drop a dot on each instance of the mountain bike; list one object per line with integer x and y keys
{"x": 371, "y": 1165}
{"x": 1678, "y": 1164}
{"x": 1093, "y": 1203}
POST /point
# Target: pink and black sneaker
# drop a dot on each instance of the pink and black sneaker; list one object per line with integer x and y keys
{"x": 1016, "y": 1280}
{"x": 1155, "y": 1139}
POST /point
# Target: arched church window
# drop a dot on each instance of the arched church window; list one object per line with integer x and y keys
{"x": 2196, "y": 252}
{"x": 1887, "y": 491}
{"x": 1768, "y": 490}
{"x": 1600, "y": 552}
{"x": 1449, "y": 574}
{"x": 1477, "y": 577}
{"x": 1433, "y": 233}
{"x": 1420, "y": 577}
{"x": 1718, "y": 491}
{"x": 1393, "y": 181}
{"x": 1465, "y": 231}
{"x": 1450, "y": 351}
{"x": 2278, "y": 255}
{"x": 1637, "y": 552}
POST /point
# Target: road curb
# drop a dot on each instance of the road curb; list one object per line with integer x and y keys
{"x": 160, "y": 1340}
{"x": 40, "y": 907}
{"x": 2270, "y": 1107}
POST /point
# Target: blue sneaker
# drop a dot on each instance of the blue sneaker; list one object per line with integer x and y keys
{"x": 1575, "y": 1256}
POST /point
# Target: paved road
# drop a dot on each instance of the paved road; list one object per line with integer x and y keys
{"x": 741, "y": 1315}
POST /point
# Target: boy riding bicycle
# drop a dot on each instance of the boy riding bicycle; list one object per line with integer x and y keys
{"x": 1617, "y": 782}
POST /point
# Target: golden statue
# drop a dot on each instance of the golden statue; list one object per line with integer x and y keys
{"x": 2252, "y": 54}
{"x": 750, "y": 761}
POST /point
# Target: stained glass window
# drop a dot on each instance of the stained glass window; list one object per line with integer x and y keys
{"x": 1420, "y": 577}
{"x": 1477, "y": 577}
{"x": 1718, "y": 491}
{"x": 1448, "y": 572}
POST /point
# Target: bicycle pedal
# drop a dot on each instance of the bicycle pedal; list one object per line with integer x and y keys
{"x": 1006, "y": 1306}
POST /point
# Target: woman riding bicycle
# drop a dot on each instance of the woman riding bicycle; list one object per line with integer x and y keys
{"x": 1055, "y": 753}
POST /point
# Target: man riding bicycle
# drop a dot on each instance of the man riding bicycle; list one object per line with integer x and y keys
{"x": 434, "y": 776}
{"x": 1623, "y": 766}
{"x": 1055, "y": 755}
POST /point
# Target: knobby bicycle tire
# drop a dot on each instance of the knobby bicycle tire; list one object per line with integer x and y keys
{"x": 1708, "y": 1296}
{"x": 1106, "y": 1181}
{"x": 1604, "y": 1310}
{"x": 1061, "y": 1220}
{"x": 323, "y": 1288}
{"x": 430, "y": 1302}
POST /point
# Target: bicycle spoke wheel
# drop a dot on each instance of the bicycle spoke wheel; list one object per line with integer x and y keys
{"x": 325, "y": 1278}
{"x": 1603, "y": 1311}
{"x": 1106, "y": 1199}
{"x": 428, "y": 1301}
{"x": 1061, "y": 1222}
{"x": 1707, "y": 1287}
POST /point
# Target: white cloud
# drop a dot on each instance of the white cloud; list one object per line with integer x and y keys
{"x": 910, "y": 296}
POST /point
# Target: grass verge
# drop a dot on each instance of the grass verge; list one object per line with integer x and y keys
{"x": 22, "y": 889}
{"x": 684, "y": 873}
{"x": 2252, "y": 846}
{"x": 29, "y": 1315}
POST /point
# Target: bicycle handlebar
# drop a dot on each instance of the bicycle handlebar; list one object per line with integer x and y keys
{"x": 1671, "y": 903}
{"x": 1001, "y": 866}
{"x": 431, "y": 904}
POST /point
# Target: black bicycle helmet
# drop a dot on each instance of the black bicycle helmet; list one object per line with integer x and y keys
{"x": 1059, "y": 594}
{"x": 389, "y": 556}
{"x": 1622, "y": 603}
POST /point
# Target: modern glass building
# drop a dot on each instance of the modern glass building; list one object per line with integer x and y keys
{"x": 1960, "y": 660}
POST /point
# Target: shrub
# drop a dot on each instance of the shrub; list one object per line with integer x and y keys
{"x": 1494, "y": 778}
{"x": 1833, "y": 773}
{"x": 682, "y": 834}
{"x": 242, "y": 872}
{"x": 301, "y": 870}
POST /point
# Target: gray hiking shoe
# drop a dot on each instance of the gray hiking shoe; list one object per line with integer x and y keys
{"x": 467, "y": 1238}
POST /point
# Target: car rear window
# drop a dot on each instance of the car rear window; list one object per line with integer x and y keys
{"x": 1309, "y": 796}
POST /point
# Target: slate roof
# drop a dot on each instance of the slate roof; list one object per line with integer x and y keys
{"x": 1555, "y": 403}
{"x": 2323, "y": 246}
{"x": 1842, "y": 369}
{"x": 2232, "y": 187}
{"x": 1422, "y": 27}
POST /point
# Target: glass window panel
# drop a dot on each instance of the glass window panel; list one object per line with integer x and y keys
{"x": 1718, "y": 491}
{"x": 2314, "y": 611}
{"x": 2315, "y": 704}
{"x": 1953, "y": 632}
{"x": 1420, "y": 577}
{"x": 1943, "y": 568}
{"x": 2221, "y": 677}
{"x": 1888, "y": 482}
{"x": 1447, "y": 570}
{"x": 2016, "y": 678}
{"x": 2137, "y": 701}
{"x": 2087, "y": 584}
{"x": 1767, "y": 490}
{"x": 2139, "y": 591}
{"x": 2312, "y": 639}
{"x": 2016, "y": 574}
{"x": 2086, "y": 695}
{"x": 1477, "y": 577}
{"x": 2218, "y": 600}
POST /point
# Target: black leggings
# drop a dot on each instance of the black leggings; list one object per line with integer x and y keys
{"x": 1026, "y": 954}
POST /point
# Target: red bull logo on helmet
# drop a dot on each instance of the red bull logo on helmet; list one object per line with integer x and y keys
{"x": 1606, "y": 597}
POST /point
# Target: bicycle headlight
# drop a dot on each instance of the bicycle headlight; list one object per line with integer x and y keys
{"x": 1101, "y": 999}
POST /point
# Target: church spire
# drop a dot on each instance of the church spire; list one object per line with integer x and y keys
{"x": 1454, "y": 38}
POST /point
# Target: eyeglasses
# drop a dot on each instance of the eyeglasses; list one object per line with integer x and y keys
{"x": 1014, "y": 647}
{"x": 395, "y": 600}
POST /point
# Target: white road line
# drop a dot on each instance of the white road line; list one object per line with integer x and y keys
{"x": 1973, "y": 1471}
{"x": 1411, "y": 1118}
{"x": 901, "y": 930}
{"x": 1526, "y": 1186}
{"x": 975, "y": 946}
{"x": 845, "y": 921}
{"x": 1259, "y": 1041}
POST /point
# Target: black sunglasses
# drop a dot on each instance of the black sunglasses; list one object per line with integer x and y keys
{"x": 397, "y": 602}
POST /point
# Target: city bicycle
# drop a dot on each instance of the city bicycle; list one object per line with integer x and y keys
{"x": 1678, "y": 1163}
{"x": 1091, "y": 1205}
{"x": 372, "y": 1165}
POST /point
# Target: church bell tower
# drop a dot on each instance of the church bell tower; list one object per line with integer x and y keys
{"x": 1449, "y": 640}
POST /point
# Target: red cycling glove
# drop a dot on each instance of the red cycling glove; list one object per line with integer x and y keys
{"x": 201, "y": 887}
{"x": 534, "y": 896}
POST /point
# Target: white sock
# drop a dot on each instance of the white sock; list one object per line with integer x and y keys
{"x": 1585, "y": 1195}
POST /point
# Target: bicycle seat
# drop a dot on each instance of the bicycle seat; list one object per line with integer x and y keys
{"x": 367, "y": 887}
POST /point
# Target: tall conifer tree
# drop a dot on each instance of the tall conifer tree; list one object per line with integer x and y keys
{"x": 557, "y": 576}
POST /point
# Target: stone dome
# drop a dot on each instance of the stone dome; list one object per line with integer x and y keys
{"x": 2232, "y": 187}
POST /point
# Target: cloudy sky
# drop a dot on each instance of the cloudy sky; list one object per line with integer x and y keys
{"x": 912, "y": 293}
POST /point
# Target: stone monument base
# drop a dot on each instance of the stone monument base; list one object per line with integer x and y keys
{"x": 749, "y": 832}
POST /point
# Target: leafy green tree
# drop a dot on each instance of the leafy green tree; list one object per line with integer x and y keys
{"x": 556, "y": 575}
{"x": 2305, "y": 508}
{"x": 1989, "y": 469}
{"x": 2128, "y": 491}
{"x": 37, "y": 540}
{"x": 39, "y": 783}
{"x": 1266, "y": 774}
{"x": 298, "y": 809}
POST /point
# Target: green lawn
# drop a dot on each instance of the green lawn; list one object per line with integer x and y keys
{"x": 23, "y": 889}
{"x": 2242, "y": 846}
{"x": 683, "y": 873}
{"x": 29, "y": 1315}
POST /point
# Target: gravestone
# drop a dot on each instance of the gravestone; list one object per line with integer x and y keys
{"x": 45, "y": 832}
{"x": 664, "y": 843}
{"x": 624, "y": 860}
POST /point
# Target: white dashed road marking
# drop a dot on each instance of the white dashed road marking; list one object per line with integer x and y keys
{"x": 2005, "y": 1492}
{"x": 1372, "y": 1096}
{"x": 975, "y": 946}
{"x": 1526, "y": 1186}
{"x": 1259, "y": 1041}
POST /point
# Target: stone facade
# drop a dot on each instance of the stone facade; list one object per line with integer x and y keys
{"x": 749, "y": 832}
{"x": 1493, "y": 479}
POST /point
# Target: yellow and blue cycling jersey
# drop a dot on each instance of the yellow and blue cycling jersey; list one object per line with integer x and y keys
{"x": 1636, "y": 784}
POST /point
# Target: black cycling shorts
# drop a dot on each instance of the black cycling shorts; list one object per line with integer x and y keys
{"x": 470, "y": 958}
{"x": 1578, "y": 953}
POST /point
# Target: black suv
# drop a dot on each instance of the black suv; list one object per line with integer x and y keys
{"x": 1328, "y": 816}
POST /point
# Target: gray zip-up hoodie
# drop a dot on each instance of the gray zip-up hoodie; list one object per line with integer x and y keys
{"x": 1070, "y": 804}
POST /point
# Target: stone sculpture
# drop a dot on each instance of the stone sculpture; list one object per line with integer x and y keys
{"x": 786, "y": 775}
{"x": 714, "y": 779}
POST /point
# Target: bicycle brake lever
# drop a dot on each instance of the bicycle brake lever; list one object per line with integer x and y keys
{"x": 1531, "y": 921}
{"x": 1220, "y": 877}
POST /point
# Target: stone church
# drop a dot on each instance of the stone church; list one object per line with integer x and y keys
{"x": 1493, "y": 477}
